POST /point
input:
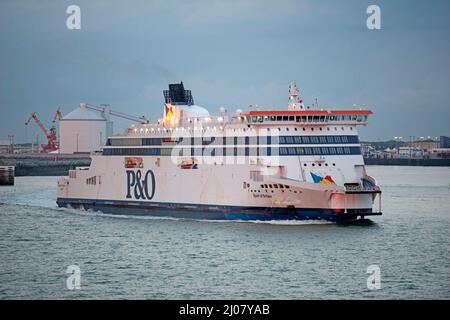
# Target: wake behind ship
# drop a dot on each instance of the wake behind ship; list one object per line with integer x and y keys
{"x": 298, "y": 163}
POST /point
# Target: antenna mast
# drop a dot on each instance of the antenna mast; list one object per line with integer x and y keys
{"x": 295, "y": 102}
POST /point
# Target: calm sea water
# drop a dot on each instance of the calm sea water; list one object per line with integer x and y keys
{"x": 154, "y": 258}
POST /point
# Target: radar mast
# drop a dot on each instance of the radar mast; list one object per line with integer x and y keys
{"x": 295, "y": 102}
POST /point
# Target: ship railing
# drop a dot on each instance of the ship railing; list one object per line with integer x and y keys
{"x": 314, "y": 122}
{"x": 187, "y": 123}
{"x": 363, "y": 190}
{"x": 367, "y": 185}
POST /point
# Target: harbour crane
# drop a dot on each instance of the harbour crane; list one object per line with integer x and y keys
{"x": 51, "y": 135}
{"x": 57, "y": 116}
{"x": 105, "y": 109}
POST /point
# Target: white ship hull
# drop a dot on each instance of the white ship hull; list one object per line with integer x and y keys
{"x": 209, "y": 191}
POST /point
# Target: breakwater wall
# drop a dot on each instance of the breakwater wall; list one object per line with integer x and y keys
{"x": 43, "y": 164}
{"x": 407, "y": 162}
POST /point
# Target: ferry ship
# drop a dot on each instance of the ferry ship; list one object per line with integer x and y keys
{"x": 260, "y": 164}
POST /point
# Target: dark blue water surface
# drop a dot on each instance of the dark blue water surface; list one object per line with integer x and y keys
{"x": 158, "y": 258}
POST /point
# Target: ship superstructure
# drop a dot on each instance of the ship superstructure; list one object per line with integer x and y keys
{"x": 298, "y": 163}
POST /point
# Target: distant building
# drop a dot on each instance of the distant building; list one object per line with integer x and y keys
{"x": 418, "y": 149}
{"x": 424, "y": 144}
{"x": 406, "y": 152}
{"x": 367, "y": 150}
{"x": 4, "y": 146}
{"x": 444, "y": 142}
{"x": 81, "y": 131}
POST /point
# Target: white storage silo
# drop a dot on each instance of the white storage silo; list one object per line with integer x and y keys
{"x": 82, "y": 130}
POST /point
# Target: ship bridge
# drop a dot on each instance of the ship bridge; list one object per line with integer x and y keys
{"x": 310, "y": 117}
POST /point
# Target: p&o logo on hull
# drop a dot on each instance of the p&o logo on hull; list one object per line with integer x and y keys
{"x": 140, "y": 186}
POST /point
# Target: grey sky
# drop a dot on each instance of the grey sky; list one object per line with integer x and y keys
{"x": 229, "y": 53}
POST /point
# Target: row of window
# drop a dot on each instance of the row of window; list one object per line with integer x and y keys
{"x": 324, "y": 118}
{"x": 132, "y": 152}
{"x": 249, "y": 140}
{"x": 317, "y": 139}
{"x": 276, "y": 186}
{"x": 224, "y": 151}
{"x": 323, "y": 151}
{"x": 92, "y": 180}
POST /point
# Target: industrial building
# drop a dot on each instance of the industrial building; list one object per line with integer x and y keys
{"x": 87, "y": 128}
{"x": 83, "y": 130}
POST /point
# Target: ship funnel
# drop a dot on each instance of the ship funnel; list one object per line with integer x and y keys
{"x": 177, "y": 95}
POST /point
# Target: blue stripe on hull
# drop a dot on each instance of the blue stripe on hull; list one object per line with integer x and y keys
{"x": 211, "y": 212}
